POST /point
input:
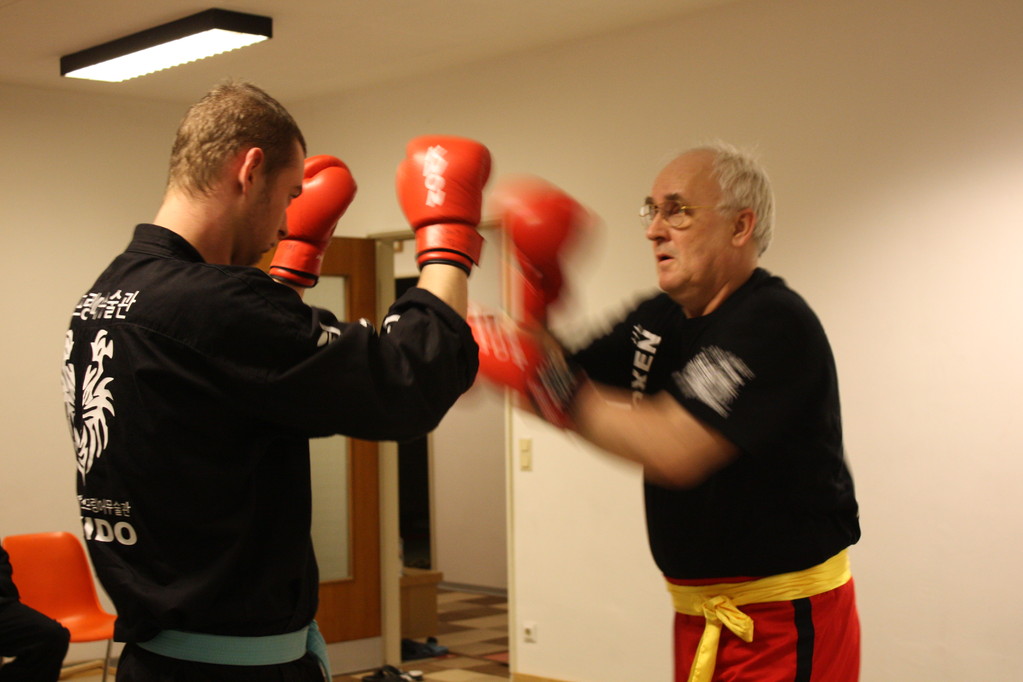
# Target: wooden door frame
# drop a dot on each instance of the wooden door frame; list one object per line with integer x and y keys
{"x": 350, "y": 608}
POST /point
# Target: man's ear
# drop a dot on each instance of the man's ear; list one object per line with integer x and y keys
{"x": 742, "y": 228}
{"x": 252, "y": 160}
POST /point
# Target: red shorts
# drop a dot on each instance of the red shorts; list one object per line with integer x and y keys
{"x": 816, "y": 639}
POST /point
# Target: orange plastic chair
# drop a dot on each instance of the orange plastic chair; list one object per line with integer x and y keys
{"x": 53, "y": 577}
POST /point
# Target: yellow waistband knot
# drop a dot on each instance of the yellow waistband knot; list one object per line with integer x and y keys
{"x": 722, "y": 611}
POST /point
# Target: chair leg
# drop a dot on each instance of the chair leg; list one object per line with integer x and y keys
{"x": 106, "y": 661}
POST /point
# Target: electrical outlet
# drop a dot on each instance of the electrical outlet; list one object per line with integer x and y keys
{"x": 526, "y": 454}
{"x": 529, "y": 631}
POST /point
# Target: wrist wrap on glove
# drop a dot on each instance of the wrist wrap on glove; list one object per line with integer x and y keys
{"x": 327, "y": 190}
{"x": 536, "y": 367}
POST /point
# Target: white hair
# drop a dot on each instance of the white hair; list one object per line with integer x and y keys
{"x": 744, "y": 184}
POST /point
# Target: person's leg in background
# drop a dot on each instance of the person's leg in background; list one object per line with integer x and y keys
{"x": 37, "y": 643}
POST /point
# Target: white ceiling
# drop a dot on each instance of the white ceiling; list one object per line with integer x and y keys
{"x": 319, "y": 46}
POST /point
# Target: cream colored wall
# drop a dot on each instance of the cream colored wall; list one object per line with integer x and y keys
{"x": 892, "y": 132}
{"x": 468, "y": 481}
{"x": 78, "y": 172}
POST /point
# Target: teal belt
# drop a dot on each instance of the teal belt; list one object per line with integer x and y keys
{"x": 232, "y": 650}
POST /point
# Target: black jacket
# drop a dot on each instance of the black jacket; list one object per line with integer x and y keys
{"x": 192, "y": 390}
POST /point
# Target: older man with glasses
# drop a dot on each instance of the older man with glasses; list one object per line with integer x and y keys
{"x": 724, "y": 388}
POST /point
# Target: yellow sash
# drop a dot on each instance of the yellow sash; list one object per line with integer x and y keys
{"x": 719, "y": 604}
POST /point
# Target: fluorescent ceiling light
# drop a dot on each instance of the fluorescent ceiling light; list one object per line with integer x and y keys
{"x": 179, "y": 42}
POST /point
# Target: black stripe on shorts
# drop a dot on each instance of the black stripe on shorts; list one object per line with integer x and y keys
{"x": 804, "y": 639}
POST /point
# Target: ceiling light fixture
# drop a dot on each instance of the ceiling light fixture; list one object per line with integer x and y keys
{"x": 178, "y": 42}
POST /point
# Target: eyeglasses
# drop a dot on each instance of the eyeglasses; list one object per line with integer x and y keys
{"x": 673, "y": 213}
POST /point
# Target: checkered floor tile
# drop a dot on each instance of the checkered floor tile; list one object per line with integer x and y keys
{"x": 474, "y": 628}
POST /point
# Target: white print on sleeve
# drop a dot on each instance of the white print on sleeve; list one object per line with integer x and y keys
{"x": 96, "y": 400}
{"x": 714, "y": 377}
{"x": 328, "y": 334}
{"x": 646, "y": 343}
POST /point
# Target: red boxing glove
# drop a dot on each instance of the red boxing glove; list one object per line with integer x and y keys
{"x": 440, "y": 189}
{"x": 541, "y": 221}
{"x": 327, "y": 190}
{"x": 536, "y": 368}
{"x": 506, "y": 354}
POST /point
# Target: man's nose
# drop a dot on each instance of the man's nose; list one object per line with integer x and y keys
{"x": 656, "y": 230}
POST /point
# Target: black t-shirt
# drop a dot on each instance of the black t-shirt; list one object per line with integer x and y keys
{"x": 192, "y": 390}
{"x": 760, "y": 371}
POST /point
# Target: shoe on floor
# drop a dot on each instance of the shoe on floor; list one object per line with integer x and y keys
{"x": 391, "y": 674}
{"x": 412, "y": 650}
